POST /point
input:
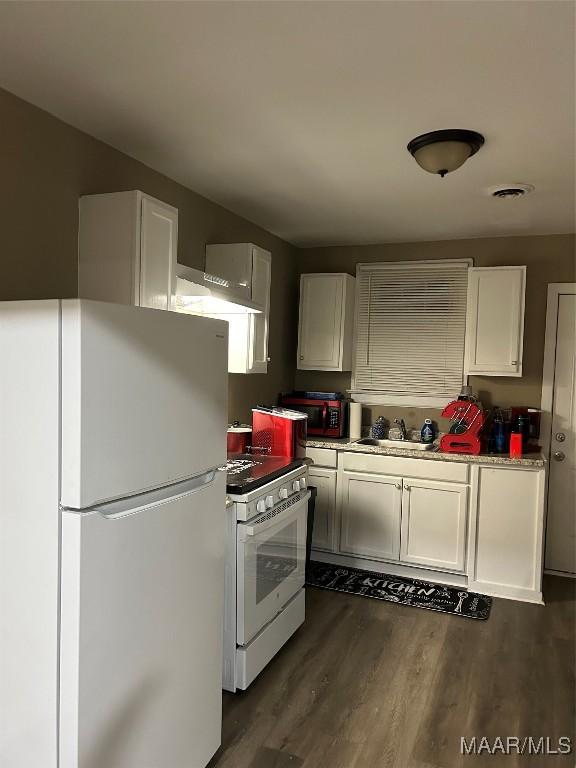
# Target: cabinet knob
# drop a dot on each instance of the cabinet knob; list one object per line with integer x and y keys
{"x": 399, "y": 486}
{"x": 514, "y": 362}
{"x": 407, "y": 487}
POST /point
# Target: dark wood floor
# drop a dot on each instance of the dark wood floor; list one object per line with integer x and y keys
{"x": 368, "y": 684}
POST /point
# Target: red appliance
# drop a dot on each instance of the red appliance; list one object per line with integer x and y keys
{"x": 279, "y": 432}
{"x": 239, "y": 437}
{"x": 467, "y": 419}
{"x": 326, "y": 411}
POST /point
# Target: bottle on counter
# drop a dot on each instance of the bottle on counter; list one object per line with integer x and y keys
{"x": 499, "y": 432}
{"x": 380, "y": 428}
{"x": 516, "y": 449}
{"x": 428, "y": 433}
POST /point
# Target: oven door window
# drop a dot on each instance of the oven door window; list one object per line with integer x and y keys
{"x": 276, "y": 560}
{"x": 270, "y": 567}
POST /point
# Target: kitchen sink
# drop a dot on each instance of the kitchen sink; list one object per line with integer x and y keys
{"x": 412, "y": 445}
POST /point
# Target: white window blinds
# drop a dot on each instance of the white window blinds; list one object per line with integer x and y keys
{"x": 410, "y": 330}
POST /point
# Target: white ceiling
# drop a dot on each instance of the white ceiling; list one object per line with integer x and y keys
{"x": 296, "y": 115}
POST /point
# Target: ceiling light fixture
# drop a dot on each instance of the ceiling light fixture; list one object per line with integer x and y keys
{"x": 443, "y": 151}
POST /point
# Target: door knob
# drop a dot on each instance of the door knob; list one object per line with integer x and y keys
{"x": 559, "y": 455}
{"x": 560, "y": 436}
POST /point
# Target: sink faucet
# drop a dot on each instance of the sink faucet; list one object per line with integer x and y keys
{"x": 402, "y": 426}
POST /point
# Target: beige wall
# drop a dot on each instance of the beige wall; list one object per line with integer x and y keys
{"x": 550, "y": 259}
{"x": 46, "y": 165}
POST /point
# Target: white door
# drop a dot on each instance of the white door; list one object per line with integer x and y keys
{"x": 434, "y": 517}
{"x": 561, "y": 526}
{"x": 258, "y": 323}
{"x": 158, "y": 243}
{"x": 271, "y": 564}
{"x": 142, "y": 600}
{"x": 370, "y": 515}
{"x": 495, "y": 321}
{"x": 144, "y": 399}
{"x": 319, "y": 334}
{"x": 323, "y": 535}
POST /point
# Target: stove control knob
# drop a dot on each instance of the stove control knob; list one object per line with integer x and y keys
{"x": 296, "y": 486}
{"x": 283, "y": 493}
{"x": 261, "y": 506}
{"x": 269, "y": 502}
{"x": 302, "y": 483}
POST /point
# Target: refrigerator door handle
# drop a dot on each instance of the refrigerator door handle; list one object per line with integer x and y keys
{"x": 132, "y": 505}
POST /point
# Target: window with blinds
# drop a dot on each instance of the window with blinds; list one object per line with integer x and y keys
{"x": 410, "y": 330}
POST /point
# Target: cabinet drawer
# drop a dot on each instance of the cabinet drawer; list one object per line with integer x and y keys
{"x": 322, "y": 457}
{"x": 425, "y": 469}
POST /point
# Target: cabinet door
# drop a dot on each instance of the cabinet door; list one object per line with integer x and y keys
{"x": 434, "y": 517}
{"x": 158, "y": 243}
{"x": 320, "y": 328}
{"x": 258, "y": 324}
{"x": 495, "y": 321}
{"x": 323, "y": 535}
{"x": 370, "y": 515}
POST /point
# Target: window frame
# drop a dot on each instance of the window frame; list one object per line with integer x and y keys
{"x": 374, "y": 397}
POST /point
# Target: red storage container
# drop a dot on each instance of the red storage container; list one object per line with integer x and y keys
{"x": 279, "y": 432}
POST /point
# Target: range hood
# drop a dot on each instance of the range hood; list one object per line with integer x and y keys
{"x": 200, "y": 293}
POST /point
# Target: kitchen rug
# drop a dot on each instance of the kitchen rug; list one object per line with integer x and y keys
{"x": 399, "y": 589}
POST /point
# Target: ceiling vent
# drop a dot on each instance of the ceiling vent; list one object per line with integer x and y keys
{"x": 506, "y": 191}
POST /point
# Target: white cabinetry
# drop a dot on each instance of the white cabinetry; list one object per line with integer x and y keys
{"x": 434, "y": 517}
{"x": 495, "y": 321}
{"x": 322, "y": 475}
{"x": 249, "y": 269}
{"x": 326, "y": 322}
{"x": 370, "y": 509}
{"x": 509, "y": 533}
{"x": 402, "y": 509}
{"x": 324, "y": 532}
{"x": 127, "y": 245}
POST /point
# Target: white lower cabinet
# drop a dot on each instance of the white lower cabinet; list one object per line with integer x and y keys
{"x": 324, "y": 534}
{"x": 479, "y": 526}
{"x": 434, "y": 521}
{"x": 370, "y": 509}
{"x": 509, "y": 533}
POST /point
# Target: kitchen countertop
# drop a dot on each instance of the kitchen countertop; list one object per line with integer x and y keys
{"x": 534, "y": 460}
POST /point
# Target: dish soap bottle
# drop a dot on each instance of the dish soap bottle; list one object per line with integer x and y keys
{"x": 379, "y": 428}
{"x": 427, "y": 433}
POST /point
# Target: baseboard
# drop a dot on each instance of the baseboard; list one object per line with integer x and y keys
{"x": 563, "y": 574}
{"x": 394, "y": 569}
{"x": 507, "y": 592}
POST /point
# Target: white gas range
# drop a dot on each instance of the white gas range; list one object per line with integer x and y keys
{"x": 265, "y": 562}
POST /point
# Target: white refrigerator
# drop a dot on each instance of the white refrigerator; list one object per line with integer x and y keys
{"x": 112, "y": 517}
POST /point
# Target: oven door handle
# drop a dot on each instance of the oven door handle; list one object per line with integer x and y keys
{"x": 254, "y": 530}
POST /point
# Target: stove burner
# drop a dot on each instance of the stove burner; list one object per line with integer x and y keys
{"x": 236, "y": 466}
{"x": 245, "y": 472}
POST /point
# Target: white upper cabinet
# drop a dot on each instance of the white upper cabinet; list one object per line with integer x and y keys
{"x": 127, "y": 248}
{"x": 248, "y": 269}
{"x": 326, "y": 322}
{"x": 495, "y": 321}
